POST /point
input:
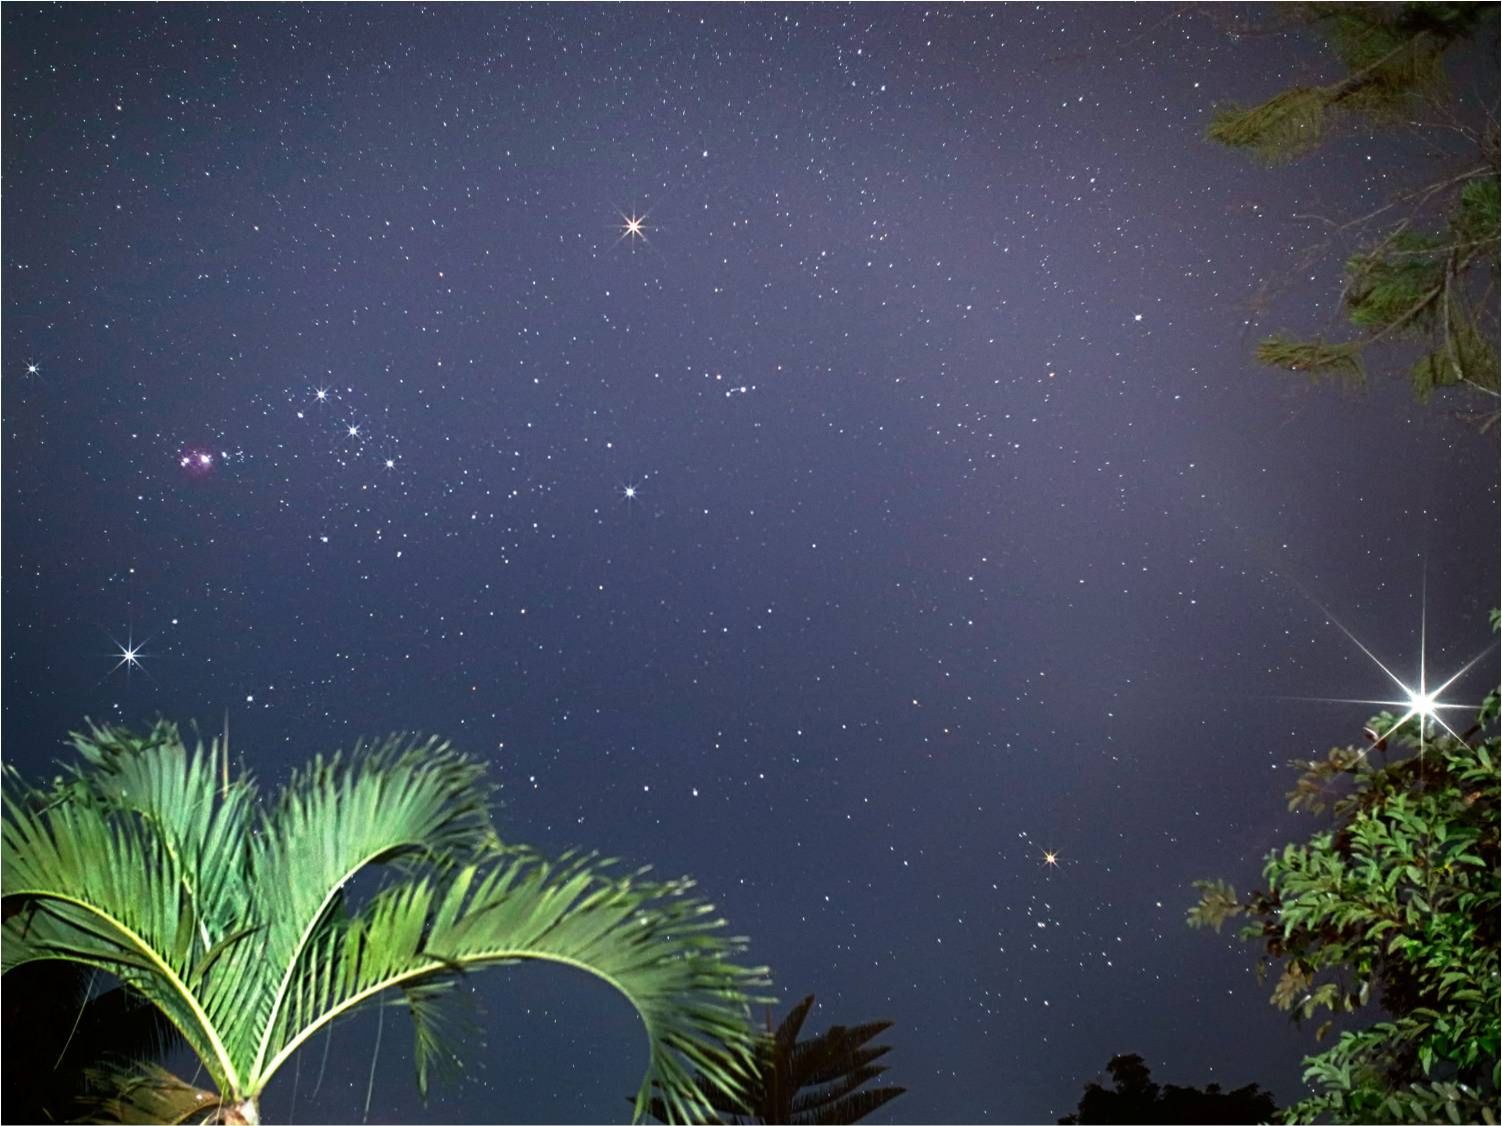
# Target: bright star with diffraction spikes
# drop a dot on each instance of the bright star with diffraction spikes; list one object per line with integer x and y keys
{"x": 633, "y": 228}
{"x": 1421, "y": 702}
{"x": 129, "y": 655}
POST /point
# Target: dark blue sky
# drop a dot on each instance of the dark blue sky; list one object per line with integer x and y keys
{"x": 960, "y": 526}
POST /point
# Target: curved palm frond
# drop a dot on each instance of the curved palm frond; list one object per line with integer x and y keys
{"x": 401, "y": 800}
{"x": 92, "y": 876}
{"x": 651, "y": 942}
{"x": 142, "y": 1095}
{"x": 242, "y": 927}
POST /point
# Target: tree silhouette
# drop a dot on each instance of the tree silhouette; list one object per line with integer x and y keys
{"x": 812, "y": 1082}
{"x": 63, "y": 1022}
{"x": 1137, "y": 1099}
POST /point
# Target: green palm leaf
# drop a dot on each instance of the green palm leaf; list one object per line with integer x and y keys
{"x": 242, "y": 927}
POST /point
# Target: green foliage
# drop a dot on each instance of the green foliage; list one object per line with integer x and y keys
{"x": 1393, "y": 55}
{"x": 1432, "y": 274}
{"x": 237, "y": 921}
{"x": 819, "y": 1081}
{"x": 1395, "y": 284}
{"x": 1476, "y": 217}
{"x": 1313, "y": 356}
{"x": 1397, "y": 900}
{"x": 1287, "y": 125}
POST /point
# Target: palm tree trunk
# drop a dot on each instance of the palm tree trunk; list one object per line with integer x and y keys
{"x": 243, "y": 1113}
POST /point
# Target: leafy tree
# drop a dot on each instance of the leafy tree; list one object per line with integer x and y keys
{"x": 238, "y": 921}
{"x": 1136, "y": 1098}
{"x": 812, "y": 1082}
{"x": 1425, "y": 265}
{"x": 1397, "y": 901}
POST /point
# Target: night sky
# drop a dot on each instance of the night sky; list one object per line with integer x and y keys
{"x": 815, "y": 449}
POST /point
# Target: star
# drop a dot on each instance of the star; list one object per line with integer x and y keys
{"x": 633, "y": 228}
{"x": 1421, "y": 703}
{"x": 129, "y": 655}
{"x": 32, "y": 367}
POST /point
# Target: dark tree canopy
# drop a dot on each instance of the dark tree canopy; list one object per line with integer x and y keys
{"x": 63, "y": 1021}
{"x": 814, "y": 1081}
{"x": 1135, "y": 1098}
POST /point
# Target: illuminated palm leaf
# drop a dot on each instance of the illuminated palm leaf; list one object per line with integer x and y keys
{"x": 240, "y": 925}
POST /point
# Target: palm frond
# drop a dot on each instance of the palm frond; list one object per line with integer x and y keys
{"x": 442, "y": 1018}
{"x": 837, "y": 1050}
{"x": 140, "y": 1095}
{"x": 90, "y": 880}
{"x": 786, "y": 1036}
{"x": 400, "y": 799}
{"x": 242, "y": 927}
{"x": 649, "y": 940}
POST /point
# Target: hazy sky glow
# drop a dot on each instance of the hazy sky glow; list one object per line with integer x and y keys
{"x": 813, "y": 449}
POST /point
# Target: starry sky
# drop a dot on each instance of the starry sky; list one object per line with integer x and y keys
{"x": 811, "y": 448}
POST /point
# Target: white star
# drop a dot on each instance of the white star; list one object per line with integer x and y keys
{"x": 32, "y": 367}
{"x": 633, "y": 228}
{"x": 1421, "y": 703}
{"x": 128, "y": 656}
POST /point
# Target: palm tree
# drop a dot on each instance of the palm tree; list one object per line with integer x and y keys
{"x": 813, "y": 1082}
{"x": 237, "y": 919}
